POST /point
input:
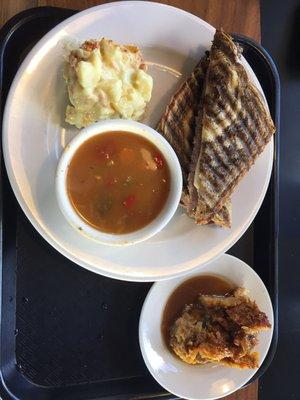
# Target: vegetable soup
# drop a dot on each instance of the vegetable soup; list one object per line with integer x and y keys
{"x": 118, "y": 182}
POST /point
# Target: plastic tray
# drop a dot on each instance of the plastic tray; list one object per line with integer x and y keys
{"x": 67, "y": 333}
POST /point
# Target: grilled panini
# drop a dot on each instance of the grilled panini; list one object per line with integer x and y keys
{"x": 178, "y": 125}
{"x": 234, "y": 127}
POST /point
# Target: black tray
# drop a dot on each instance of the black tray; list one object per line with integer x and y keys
{"x": 67, "y": 333}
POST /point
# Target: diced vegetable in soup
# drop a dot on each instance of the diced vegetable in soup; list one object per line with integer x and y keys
{"x": 118, "y": 182}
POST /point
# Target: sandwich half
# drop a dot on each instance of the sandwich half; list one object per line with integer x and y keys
{"x": 178, "y": 125}
{"x": 233, "y": 128}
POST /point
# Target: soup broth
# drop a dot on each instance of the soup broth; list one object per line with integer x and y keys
{"x": 118, "y": 182}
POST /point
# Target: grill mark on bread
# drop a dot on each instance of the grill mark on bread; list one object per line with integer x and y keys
{"x": 236, "y": 163}
{"x": 194, "y": 158}
{"x": 252, "y": 144}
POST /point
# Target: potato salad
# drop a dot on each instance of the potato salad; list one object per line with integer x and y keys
{"x": 106, "y": 80}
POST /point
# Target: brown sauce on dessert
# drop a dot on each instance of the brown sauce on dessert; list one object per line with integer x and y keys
{"x": 187, "y": 293}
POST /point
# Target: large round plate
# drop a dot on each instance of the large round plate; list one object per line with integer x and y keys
{"x": 34, "y": 135}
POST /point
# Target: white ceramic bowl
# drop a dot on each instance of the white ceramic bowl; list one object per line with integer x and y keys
{"x": 175, "y": 187}
{"x": 199, "y": 381}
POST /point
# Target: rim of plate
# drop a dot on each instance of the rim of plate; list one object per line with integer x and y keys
{"x": 177, "y": 284}
{"x": 38, "y": 224}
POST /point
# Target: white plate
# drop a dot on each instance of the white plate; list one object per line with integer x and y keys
{"x": 34, "y": 135}
{"x": 201, "y": 382}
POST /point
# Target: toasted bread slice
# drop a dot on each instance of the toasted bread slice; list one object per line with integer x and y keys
{"x": 235, "y": 128}
{"x": 178, "y": 126}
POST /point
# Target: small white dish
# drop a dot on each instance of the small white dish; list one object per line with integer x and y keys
{"x": 175, "y": 183}
{"x": 199, "y": 382}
